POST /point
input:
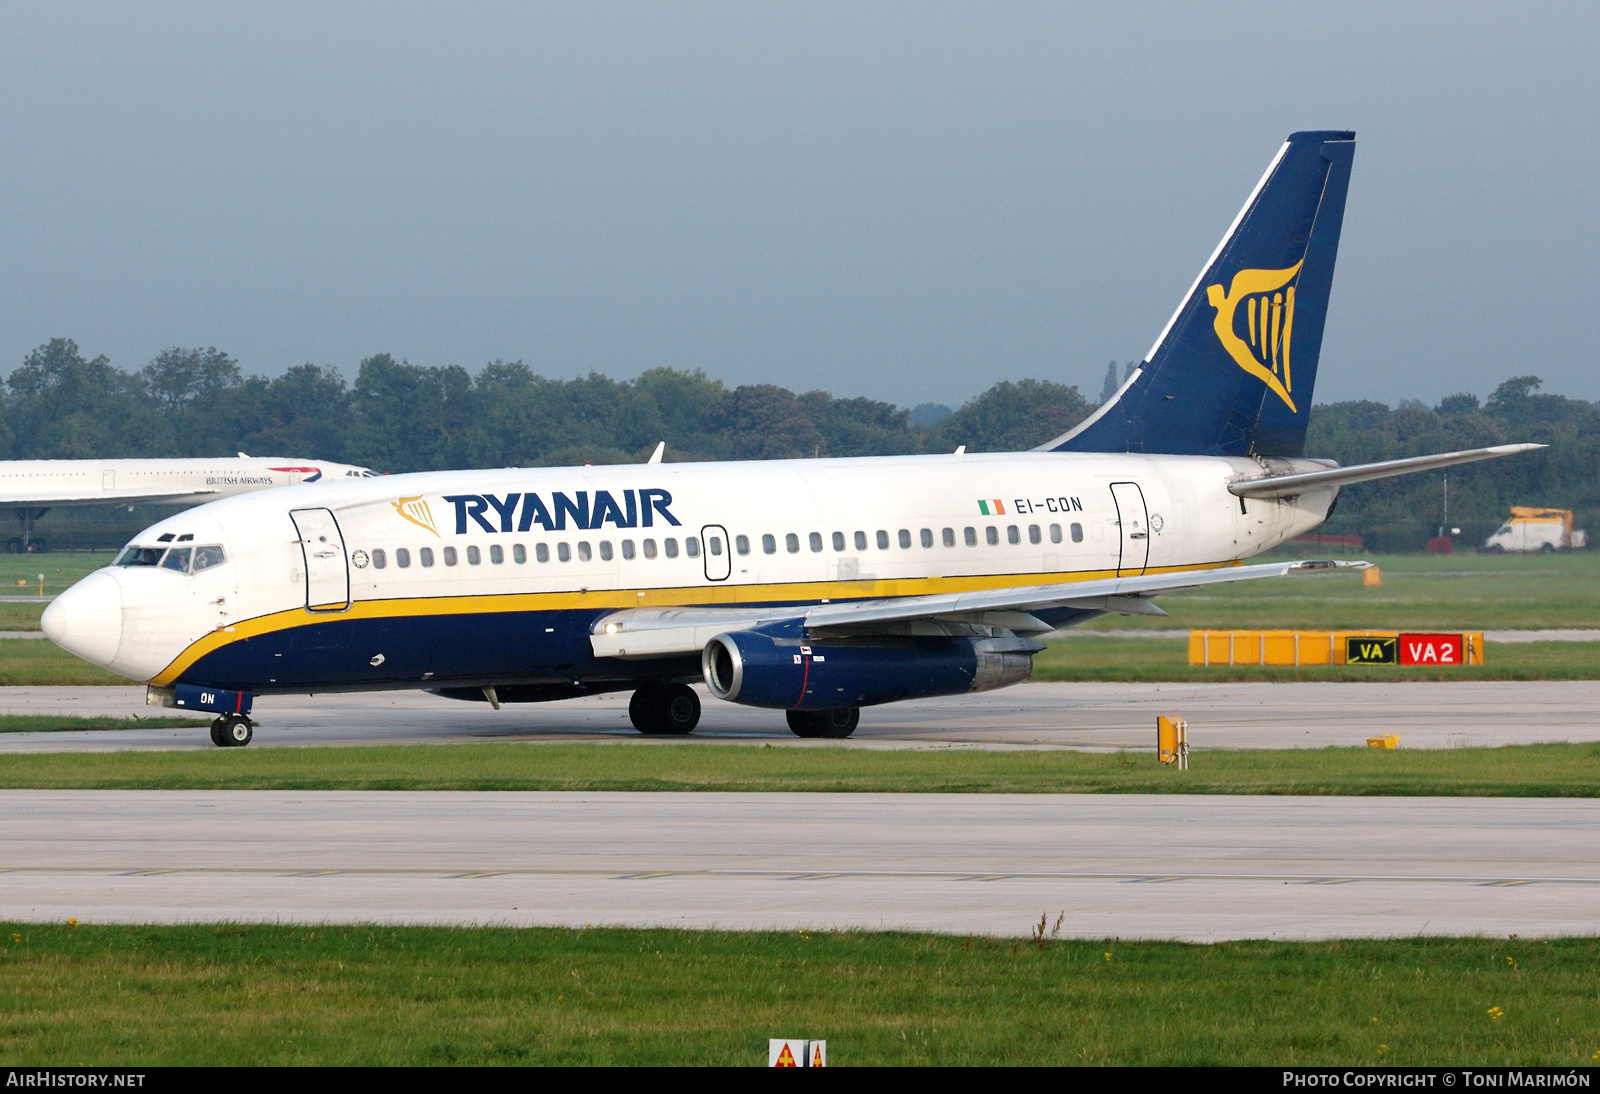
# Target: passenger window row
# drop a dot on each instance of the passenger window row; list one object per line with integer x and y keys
{"x": 691, "y": 546}
{"x": 947, "y": 536}
{"x": 541, "y": 552}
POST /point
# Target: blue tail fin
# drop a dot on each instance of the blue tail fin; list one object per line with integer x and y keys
{"x": 1233, "y": 371}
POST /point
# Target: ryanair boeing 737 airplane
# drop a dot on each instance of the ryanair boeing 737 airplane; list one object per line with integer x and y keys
{"x": 816, "y": 587}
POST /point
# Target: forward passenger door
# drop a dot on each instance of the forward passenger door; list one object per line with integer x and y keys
{"x": 327, "y": 569}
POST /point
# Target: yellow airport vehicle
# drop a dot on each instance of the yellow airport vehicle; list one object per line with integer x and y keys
{"x": 1534, "y": 529}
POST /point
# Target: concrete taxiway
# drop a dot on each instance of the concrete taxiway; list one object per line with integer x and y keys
{"x": 1087, "y": 716}
{"x": 1172, "y": 866}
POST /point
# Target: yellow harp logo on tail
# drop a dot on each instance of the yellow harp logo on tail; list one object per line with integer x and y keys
{"x": 416, "y": 511}
{"x": 1267, "y": 316}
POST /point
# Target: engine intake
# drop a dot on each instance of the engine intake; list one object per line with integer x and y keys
{"x": 763, "y": 670}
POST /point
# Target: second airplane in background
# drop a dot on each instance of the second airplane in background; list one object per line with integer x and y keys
{"x": 33, "y": 487}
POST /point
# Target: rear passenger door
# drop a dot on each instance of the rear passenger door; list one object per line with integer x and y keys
{"x": 1134, "y": 524}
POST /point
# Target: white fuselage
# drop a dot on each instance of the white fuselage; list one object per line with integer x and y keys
{"x": 389, "y": 582}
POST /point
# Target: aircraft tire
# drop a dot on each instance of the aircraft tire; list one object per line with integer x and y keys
{"x": 216, "y": 734}
{"x": 837, "y": 723}
{"x": 236, "y": 731}
{"x": 799, "y": 723}
{"x": 680, "y": 709}
{"x": 672, "y": 710}
{"x": 14, "y": 545}
{"x": 642, "y": 710}
{"x": 842, "y": 722}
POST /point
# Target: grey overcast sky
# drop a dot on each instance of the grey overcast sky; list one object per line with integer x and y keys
{"x": 905, "y": 201}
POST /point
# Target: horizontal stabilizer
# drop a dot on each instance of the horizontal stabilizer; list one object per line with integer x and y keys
{"x": 1283, "y": 486}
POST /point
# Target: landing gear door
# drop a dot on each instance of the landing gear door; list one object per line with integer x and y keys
{"x": 327, "y": 570}
{"x": 717, "y": 552}
{"x": 1134, "y": 524}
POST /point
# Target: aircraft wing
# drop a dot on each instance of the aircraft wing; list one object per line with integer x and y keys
{"x": 147, "y": 496}
{"x": 659, "y": 632}
{"x": 1282, "y": 486}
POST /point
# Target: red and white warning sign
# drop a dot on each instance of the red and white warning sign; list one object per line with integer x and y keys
{"x": 791, "y": 1052}
{"x": 1430, "y": 649}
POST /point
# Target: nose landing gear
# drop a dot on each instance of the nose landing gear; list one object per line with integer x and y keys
{"x": 673, "y": 709}
{"x": 232, "y": 731}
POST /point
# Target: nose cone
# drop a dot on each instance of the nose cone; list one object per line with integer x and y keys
{"x": 86, "y": 620}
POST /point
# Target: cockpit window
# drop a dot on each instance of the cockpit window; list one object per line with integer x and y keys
{"x": 177, "y": 559}
{"x": 140, "y": 556}
{"x": 207, "y": 557}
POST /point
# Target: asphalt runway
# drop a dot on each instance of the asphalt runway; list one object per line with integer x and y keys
{"x": 1123, "y": 866}
{"x": 1084, "y": 716}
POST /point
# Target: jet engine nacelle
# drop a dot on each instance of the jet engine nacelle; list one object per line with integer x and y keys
{"x": 762, "y": 670}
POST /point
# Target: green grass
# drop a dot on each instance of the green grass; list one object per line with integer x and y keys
{"x": 20, "y": 617}
{"x": 55, "y": 723}
{"x": 1549, "y": 770}
{"x": 59, "y": 570}
{"x": 1083, "y": 657}
{"x": 208, "y": 995}
{"x": 36, "y": 662}
{"x": 1446, "y": 592}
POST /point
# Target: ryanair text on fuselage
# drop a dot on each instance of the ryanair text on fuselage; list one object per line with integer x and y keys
{"x": 493, "y": 513}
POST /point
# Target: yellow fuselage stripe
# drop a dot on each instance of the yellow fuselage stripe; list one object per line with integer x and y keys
{"x": 800, "y": 593}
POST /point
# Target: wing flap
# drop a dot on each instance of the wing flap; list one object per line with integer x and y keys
{"x": 636, "y": 633}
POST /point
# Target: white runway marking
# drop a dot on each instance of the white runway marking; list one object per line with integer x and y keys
{"x": 1167, "y": 866}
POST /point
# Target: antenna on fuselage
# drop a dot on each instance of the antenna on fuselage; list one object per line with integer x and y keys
{"x": 655, "y": 457}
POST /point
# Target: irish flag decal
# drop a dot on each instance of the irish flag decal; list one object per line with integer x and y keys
{"x": 992, "y": 508}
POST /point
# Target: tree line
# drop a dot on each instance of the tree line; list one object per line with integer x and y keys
{"x": 397, "y": 417}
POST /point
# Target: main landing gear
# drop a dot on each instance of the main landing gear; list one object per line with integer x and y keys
{"x": 231, "y": 731}
{"x": 838, "y": 722}
{"x": 671, "y": 709}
